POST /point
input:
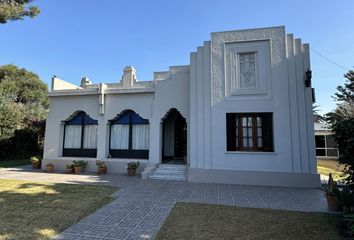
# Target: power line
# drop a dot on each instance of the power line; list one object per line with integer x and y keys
{"x": 329, "y": 60}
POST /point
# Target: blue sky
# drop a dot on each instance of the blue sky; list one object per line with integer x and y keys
{"x": 97, "y": 38}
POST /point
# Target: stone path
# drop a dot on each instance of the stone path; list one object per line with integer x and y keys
{"x": 141, "y": 206}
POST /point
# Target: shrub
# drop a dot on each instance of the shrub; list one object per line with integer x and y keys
{"x": 100, "y": 164}
{"x": 69, "y": 166}
{"x": 80, "y": 163}
{"x": 35, "y": 159}
{"x": 133, "y": 165}
{"x": 330, "y": 187}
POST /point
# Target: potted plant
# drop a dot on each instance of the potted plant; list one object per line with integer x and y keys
{"x": 331, "y": 191}
{"x": 131, "y": 167}
{"x": 49, "y": 167}
{"x": 69, "y": 168}
{"x": 36, "y": 162}
{"x": 79, "y": 166}
{"x": 102, "y": 168}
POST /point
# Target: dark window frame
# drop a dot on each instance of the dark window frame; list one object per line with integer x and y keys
{"x": 82, "y": 119}
{"x": 128, "y": 117}
{"x": 324, "y": 148}
{"x": 234, "y": 132}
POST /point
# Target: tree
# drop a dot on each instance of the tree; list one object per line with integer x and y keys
{"x": 342, "y": 120}
{"x": 10, "y": 118}
{"x": 23, "y": 108}
{"x": 317, "y": 117}
{"x": 23, "y": 88}
{"x": 11, "y": 10}
{"x": 346, "y": 93}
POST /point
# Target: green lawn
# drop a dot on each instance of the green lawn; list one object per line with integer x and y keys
{"x": 202, "y": 221}
{"x": 324, "y": 167}
{"x": 14, "y": 163}
{"x": 32, "y": 210}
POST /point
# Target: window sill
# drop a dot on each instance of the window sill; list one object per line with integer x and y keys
{"x": 250, "y": 152}
{"x": 125, "y": 160}
{"x": 76, "y": 158}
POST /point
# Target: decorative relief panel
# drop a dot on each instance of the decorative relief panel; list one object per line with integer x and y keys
{"x": 247, "y": 68}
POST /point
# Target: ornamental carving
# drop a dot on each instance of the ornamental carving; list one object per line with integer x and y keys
{"x": 247, "y": 70}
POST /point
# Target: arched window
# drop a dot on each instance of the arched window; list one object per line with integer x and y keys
{"x": 129, "y": 136}
{"x": 80, "y": 136}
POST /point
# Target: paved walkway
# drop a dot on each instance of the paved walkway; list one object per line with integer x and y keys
{"x": 141, "y": 206}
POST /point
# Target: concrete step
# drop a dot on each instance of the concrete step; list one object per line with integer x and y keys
{"x": 180, "y": 178}
{"x": 172, "y": 166}
{"x": 171, "y": 169}
{"x": 170, "y": 172}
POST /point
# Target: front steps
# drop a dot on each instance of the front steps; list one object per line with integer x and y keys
{"x": 175, "y": 172}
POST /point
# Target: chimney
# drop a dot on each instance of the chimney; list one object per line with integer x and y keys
{"x": 85, "y": 81}
{"x": 129, "y": 76}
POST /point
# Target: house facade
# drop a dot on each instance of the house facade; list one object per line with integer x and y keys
{"x": 240, "y": 112}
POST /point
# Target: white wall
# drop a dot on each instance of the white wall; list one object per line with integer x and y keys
{"x": 59, "y": 84}
{"x": 291, "y": 143}
{"x": 274, "y": 100}
{"x": 171, "y": 91}
{"x": 200, "y": 135}
{"x": 61, "y": 108}
{"x": 141, "y": 103}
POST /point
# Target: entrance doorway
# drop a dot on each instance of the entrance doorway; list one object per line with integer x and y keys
{"x": 174, "y": 138}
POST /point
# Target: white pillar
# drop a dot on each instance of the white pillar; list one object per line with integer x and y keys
{"x": 101, "y": 138}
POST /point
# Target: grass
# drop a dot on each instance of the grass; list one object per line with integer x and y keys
{"x": 14, "y": 163}
{"x": 324, "y": 167}
{"x": 32, "y": 210}
{"x": 202, "y": 221}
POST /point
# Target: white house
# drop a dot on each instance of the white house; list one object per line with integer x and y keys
{"x": 240, "y": 112}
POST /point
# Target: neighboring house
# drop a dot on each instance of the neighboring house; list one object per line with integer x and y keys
{"x": 326, "y": 147}
{"x": 241, "y": 113}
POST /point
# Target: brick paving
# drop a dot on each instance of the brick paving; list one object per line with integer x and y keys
{"x": 140, "y": 207}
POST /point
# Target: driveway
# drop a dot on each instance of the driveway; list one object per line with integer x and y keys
{"x": 141, "y": 206}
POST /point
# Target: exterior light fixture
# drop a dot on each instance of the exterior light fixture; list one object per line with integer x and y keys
{"x": 308, "y": 78}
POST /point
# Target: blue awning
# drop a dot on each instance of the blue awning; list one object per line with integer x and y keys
{"x": 81, "y": 118}
{"x": 129, "y": 117}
